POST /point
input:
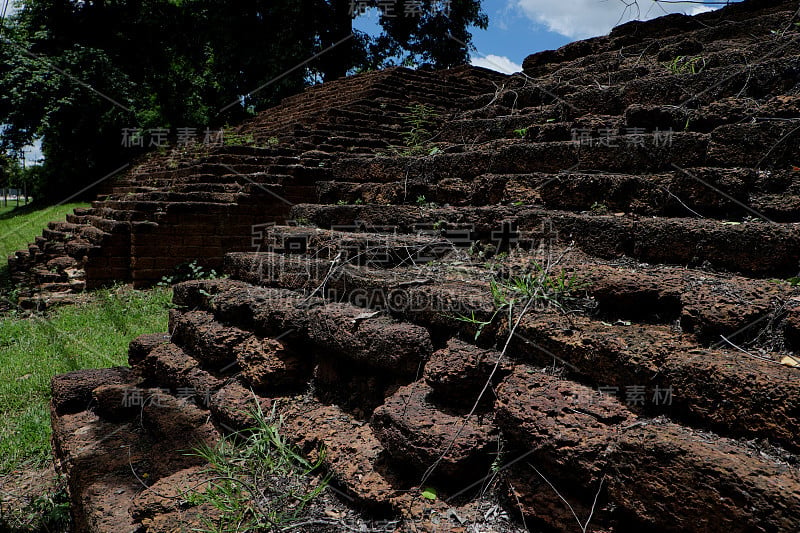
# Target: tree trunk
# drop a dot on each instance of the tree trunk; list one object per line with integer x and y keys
{"x": 337, "y": 61}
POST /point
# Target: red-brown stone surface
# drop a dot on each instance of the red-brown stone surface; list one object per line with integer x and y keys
{"x": 373, "y": 287}
{"x": 418, "y": 434}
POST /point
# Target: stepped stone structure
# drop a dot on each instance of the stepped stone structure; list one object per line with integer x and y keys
{"x": 198, "y": 205}
{"x": 564, "y": 311}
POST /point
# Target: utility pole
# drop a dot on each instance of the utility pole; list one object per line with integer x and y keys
{"x": 23, "y": 172}
{"x": 24, "y": 179}
{"x": 5, "y": 180}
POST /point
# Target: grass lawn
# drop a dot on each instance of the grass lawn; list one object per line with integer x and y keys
{"x": 88, "y": 335}
{"x": 91, "y": 334}
{"x": 19, "y": 226}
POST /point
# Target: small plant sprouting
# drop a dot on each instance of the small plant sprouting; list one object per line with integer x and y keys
{"x": 539, "y": 286}
{"x": 780, "y": 33}
{"x": 230, "y": 138}
{"x": 475, "y": 321}
{"x": 257, "y": 480}
{"x": 599, "y": 208}
{"x": 500, "y": 459}
{"x": 419, "y": 120}
{"x": 187, "y": 272}
{"x": 429, "y": 493}
{"x": 686, "y": 65}
{"x": 559, "y": 290}
{"x": 46, "y": 512}
{"x": 521, "y": 132}
{"x": 423, "y": 202}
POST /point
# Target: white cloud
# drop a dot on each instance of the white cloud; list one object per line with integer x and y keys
{"x": 498, "y": 63}
{"x": 700, "y": 9}
{"x": 579, "y": 19}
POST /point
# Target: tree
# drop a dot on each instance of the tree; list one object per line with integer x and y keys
{"x": 434, "y": 32}
{"x": 11, "y": 173}
{"x": 78, "y": 73}
{"x": 439, "y": 36}
{"x": 7, "y": 171}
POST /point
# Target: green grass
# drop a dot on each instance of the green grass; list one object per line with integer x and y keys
{"x": 19, "y": 226}
{"x": 540, "y": 286}
{"x": 47, "y": 512}
{"x": 88, "y": 335}
{"x": 257, "y": 480}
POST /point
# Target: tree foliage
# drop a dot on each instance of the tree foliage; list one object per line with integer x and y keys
{"x": 75, "y": 73}
{"x": 9, "y": 171}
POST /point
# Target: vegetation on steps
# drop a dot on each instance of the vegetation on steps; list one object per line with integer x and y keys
{"x": 257, "y": 479}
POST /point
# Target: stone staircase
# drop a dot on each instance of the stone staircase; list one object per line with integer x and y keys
{"x": 198, "y": 204}
{"x": 646, "y": 377}
{"x": 357, "y": 339}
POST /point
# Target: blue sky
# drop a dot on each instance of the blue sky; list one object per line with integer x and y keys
{"x": 518, "y": 28}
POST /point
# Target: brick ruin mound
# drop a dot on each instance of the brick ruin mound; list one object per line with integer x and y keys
{"x": 654, "y": 167}
{"x": 198, "y": 202}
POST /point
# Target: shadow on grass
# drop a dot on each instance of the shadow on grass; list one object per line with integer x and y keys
{"x": 7, "y": 296}
{"x": 21, "y": 210}
{"x": 47, "y": 512}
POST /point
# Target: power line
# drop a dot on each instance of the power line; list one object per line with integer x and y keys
{"x": 3, "y": 18}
